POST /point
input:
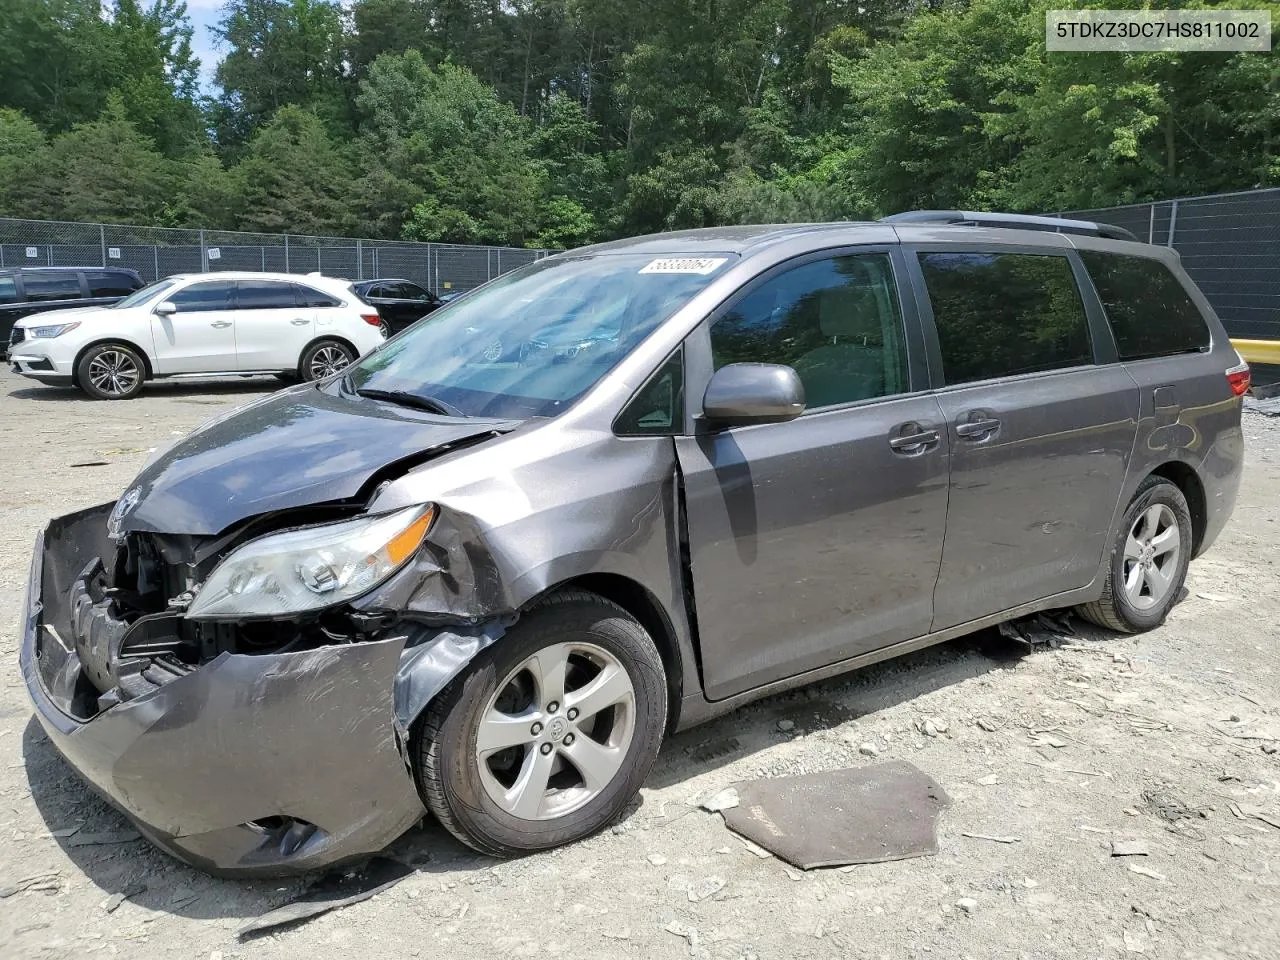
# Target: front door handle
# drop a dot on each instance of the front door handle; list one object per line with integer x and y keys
{"x": 912, "y": 438}
{"x": 300, "y": 321}
{"x": 219, "y": 324}
{"x": 977, "y": 429}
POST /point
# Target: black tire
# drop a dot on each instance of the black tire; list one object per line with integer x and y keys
{"x": 315, "y": 361}
{"x": 111, "y": 371}
{"x": 443, "y": 748}
{"x": 1114, "y": 609}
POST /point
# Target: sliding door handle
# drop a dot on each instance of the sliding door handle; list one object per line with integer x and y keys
{"x": 976, "y": 429}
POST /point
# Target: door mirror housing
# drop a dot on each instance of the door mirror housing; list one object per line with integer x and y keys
{"x": 164, "y": 308}
{"x": 741, "y": 394}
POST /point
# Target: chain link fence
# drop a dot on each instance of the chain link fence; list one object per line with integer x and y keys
{"x": 1229, "y": 244}
{"x": 157, "y": 252}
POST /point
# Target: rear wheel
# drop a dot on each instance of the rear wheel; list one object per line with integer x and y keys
{"x": 324, "y": 358}
{"x": 111, "y": 371}
{"x": 1148, "y": 562}
{"x": 550, "y": 732}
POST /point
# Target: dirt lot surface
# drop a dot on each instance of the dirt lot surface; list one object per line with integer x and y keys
{"x": 1159, "y": 738}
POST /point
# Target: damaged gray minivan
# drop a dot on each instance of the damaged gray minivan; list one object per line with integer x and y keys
{"x": 484, "y": 570}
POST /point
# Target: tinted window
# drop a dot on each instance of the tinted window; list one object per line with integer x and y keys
{"x": 108, "y": 283}
{"x": 407, "y": 291}
{"x": 1004, "y": 314}
{"x": 377, "y": 290}
{"x": 40, "y": 285}
{"x": 209, "y": 295}
{"x": 1151, "y": 313}
{"x": 835, "y": 321}
{"x": 311, "y": 297}
{"x": 265, "y": 295}
{"x": 8, "y": 290}
{"x": 659, "y": 406}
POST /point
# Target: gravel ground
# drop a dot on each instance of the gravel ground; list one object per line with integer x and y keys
{"x": 1176, "y": 723}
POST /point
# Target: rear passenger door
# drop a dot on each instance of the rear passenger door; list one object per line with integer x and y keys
{"x": 819, "y": 539}
{"x": 50, "y": 290}
{"x": 271, "y": 327}
{"x": 1041, "y": 421}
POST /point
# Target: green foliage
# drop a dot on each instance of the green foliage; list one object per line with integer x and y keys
{"x": 564, "y": 122}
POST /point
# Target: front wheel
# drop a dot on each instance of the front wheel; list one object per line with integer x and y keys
{"x": 111, "y": 371}
{"x": 550, "y": 732}
{"x": 324, "y": 359}
{"x": 1149, "y": 560}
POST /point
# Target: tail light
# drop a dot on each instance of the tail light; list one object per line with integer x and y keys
{"x": 372, "y": 319}
{"x": 1238, "y": 379}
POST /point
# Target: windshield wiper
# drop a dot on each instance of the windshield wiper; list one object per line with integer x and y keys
{"x": 406, "y": 399}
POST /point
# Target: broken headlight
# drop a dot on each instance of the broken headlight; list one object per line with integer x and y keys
{"x": 312, "y": 567}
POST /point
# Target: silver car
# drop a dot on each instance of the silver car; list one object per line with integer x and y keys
{"x": 486, "y": 584}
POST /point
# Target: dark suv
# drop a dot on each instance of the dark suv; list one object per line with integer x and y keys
{"x": 488, "y": 586}
{"x": 399, "y": 302}
{"x": 28, "y": 290}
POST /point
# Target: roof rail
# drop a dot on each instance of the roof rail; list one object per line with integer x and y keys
{"x": 1015, "y": 221}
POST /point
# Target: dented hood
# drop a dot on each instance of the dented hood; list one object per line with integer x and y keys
{"x": 302, "y": 446}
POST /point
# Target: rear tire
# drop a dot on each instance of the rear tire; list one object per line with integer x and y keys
{"x": 1148, "y": 563}
{"x": 607, "y": 712}
{"x": 323, "y": 359}
{"x": 111, "y": 371}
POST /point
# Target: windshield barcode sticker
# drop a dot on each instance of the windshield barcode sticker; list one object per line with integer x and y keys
{"x": 702, "y": 265}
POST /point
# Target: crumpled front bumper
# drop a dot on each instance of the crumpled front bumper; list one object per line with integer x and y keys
{"x": 263, "y": 764}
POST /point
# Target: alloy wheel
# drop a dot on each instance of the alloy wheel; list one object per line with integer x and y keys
{"x": 114, "y": 372}
{"x": 556, "y": 731}
{"x": 1151, "y": 556}
{"x": 327, "y": 361}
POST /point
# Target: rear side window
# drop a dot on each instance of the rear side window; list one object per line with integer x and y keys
{"x": 311, "y": 297}
{"x": 407, "y": 291}
{"x": 1005, "y": 314}
{"x": 835, "y": 321}
{"x": 1151, "y": 313}
{"x": 209, "y": 295}
{"x": 109, "y": 283}
{"x": 265, "y": 295}
{"x": 41, "y": 286}
{"x": 8, "y": 290}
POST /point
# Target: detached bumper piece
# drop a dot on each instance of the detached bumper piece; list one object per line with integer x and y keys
{"x": 242, "y": 765}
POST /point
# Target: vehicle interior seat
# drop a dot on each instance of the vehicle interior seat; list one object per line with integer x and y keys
{"x": 850, "y": 365}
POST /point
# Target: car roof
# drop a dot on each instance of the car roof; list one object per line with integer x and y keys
{"x": 257, "y": 275}
{"x": 93, "y": 266}
{"x": 749, "y": 239}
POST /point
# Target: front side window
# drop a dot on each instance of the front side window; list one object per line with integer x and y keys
{"x": 1150, "y": 312}
{"x": 1005, "y": 314}
{"x": 42, "y": 286}
{"x": 533, "y": 341}
{"x": 207, "y": 295}
{"x": 408, "y": 291}
{"x": 835, "y": 321}
{"x": 265, "y": 295}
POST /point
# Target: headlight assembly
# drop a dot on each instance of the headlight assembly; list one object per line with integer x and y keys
{"x": 313, "y": 567}
{"x": 51, "y": 331}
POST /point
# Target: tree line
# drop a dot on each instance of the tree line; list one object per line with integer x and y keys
{"x": 562, "y": 122}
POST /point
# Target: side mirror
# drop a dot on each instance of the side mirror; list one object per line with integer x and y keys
{"x": 745, "y": 393}
{"x": 164, "y": 308}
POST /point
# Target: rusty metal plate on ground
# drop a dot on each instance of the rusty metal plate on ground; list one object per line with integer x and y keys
{"x": 885, "y": 811}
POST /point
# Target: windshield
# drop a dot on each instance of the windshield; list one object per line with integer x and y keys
{"x": 139, "y": 297}
{"x": 532, "y": 342}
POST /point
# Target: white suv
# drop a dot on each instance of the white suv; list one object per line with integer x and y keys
{"x": 199, "y": 325}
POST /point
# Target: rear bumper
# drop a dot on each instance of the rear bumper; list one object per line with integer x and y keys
{"x": 247, "y": 765}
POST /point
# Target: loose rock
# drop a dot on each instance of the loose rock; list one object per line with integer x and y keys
{"x": 704, "y": 888}
{"x": 868, "y": 750}
{"x": 929, "y": 728}
{"x": 987, "y": 725}
{"x": 724, "y": 800}
{"x": 786, "y": 726}
{"x": 967, "y": 904}
{"x": 1129, "y": 848}
{"x": 656, "y": 859}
